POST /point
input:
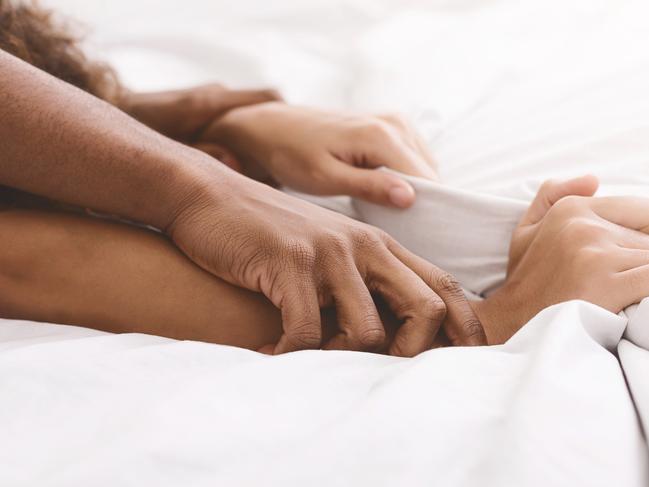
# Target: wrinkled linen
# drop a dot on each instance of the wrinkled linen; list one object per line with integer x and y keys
{"x": 506, "y": 93}
{"x": 468, "y": 233}
{"x": 550, "y": 407}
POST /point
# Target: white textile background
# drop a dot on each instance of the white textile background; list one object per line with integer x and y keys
{"x": 507, "y": 92}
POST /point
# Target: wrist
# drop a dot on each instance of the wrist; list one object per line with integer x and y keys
{"x": 242, "y": 124}
{"x": 243, "y": 131}
{"x": 497, "y": 318}
{"x": 184, "y": 183}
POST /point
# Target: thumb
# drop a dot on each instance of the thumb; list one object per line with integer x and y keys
{"x": 552, "y": 191}
{"x": 371, "y": 185}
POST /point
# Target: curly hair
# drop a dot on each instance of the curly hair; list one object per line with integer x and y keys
{"x": 34, "y": 35}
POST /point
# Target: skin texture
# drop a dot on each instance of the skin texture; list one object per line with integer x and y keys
{"x": 119, "y": 278}
{"x": 124, "y": 279}
{"x": 336, "y": 165}
{"x": 94, "y": 156}
{"x": 571, "y": 246}
{"x": 184, "y": 114}
{"x": 299, "y": 256}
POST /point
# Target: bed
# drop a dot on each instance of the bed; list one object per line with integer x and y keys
{"x": 507, "y": 93}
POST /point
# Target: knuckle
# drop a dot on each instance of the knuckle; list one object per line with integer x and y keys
{"x": 385, "y": 237}
{"x": 547, "y": 185}
{"x": 567, "y": 207}
{"x": 446, "y": 283}
{"x": 335, "y": 245}
{"x": 431, "y": 306}
{"x": 305, "y": 335}
{"x": 437, "y": 308}
{"x": 367, "y": 239}
{"x": 376, "y": 130}
{"x": 301, "y": 256}
{"x": 372, "y": 337}
{"x": 579, "y": 232}
{"x": 547, "y": 188}
{"x": 588, "y": 255}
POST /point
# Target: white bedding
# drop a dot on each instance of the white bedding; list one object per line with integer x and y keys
{"x": 550, "y": 407}
{"x": 507, "y": 92}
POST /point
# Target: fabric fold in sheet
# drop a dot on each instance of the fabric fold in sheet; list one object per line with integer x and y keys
{"x": 550, "y": 407}
{"x": 637, "y": 331}
{"x": 464, "y": 232}
{"x": 635, "y": 363}
{"x": 467, "y": 233}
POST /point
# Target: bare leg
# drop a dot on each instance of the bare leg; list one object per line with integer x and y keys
{"x": 71, "y": 269}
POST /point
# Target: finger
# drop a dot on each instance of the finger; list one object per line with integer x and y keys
{"x": 367, "y": 184}
{"x": 358, "y": 319}
{"x": 416, "y": 142}
{"x": 417, "y": 307}
{"x": 462, "y": 326}
{"x": 388, "y": 148}
{"x": 552, "y": 191}
{"x": 267, "y": 349}
{"x": 627, "y": 211}
{"x": 631, "y": 258}
{"x": 632, "y": 286}
{"x": 240, "y": 98}
{"x": 300, "y": 320}
{"x": 627, "y": 237}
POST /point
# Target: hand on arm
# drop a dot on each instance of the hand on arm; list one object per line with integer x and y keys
{"x": 325, "y": 153}
{"x": 303, "y": 257}
{"x": 64, "y": 144}
{"x": 184, "y": 114}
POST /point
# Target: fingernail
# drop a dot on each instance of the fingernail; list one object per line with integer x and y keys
{"x": 402, "y": 195}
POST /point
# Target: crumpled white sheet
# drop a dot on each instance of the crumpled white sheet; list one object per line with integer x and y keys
{"x": 467, "y": 233}
{"x": 505, "y": 91}
{"x": 550, "y": 407}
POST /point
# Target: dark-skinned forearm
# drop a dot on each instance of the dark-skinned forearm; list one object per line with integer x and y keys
{"x": 62, "y": 143}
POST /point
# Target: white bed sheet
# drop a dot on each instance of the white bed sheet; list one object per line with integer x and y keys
{"x": 550, "y": 407}
{"x": 506, "y": 91}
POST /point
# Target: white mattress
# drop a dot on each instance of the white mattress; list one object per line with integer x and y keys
{"x": 507, "y": 92}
